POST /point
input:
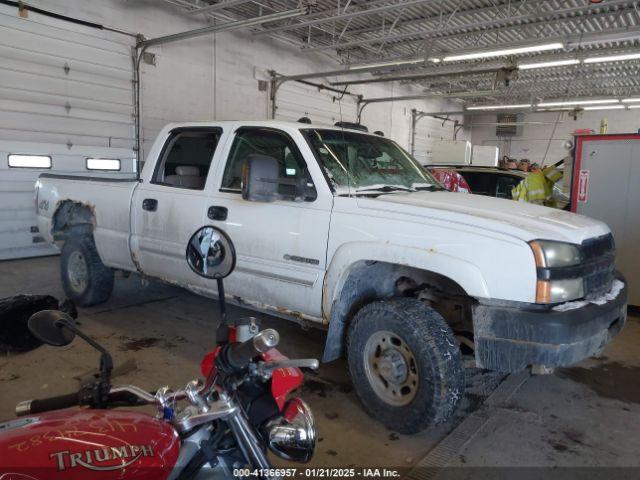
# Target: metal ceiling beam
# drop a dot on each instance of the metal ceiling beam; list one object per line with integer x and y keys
{"x": 442, "y": 34}
{"x": 478, "y": 112}
{"x": 234, "y": 25}
{"x": 417, "y": 76}
{"x": 218, "y": 6}
{"x": 330, "y": 73}
{"x": 347, "y": 15}
{"x": 425, "y": 96}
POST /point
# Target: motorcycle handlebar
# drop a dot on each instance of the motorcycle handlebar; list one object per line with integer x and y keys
{"x": 59, "y": 402}
{"x": 240, "y": 354}
{"x": 238, "y": 357}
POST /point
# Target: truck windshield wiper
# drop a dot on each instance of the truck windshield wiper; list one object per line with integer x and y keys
{"x": 386, "y": 189}
{"x": 431, "y": 188}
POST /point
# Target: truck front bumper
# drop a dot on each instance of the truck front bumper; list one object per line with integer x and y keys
{"x": 510, "y": 338}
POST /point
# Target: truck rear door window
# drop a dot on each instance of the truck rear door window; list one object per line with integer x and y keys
{"x": 186, "y": 158}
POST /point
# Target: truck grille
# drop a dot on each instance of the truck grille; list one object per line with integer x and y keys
{"x": 599, "y": 255}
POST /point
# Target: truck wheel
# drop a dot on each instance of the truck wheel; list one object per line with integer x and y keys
{"x": 85, "y": 279}
{"x": 405, "y": 364}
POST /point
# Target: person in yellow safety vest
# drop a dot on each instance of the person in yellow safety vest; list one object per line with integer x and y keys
{"x": 537, "y": 187}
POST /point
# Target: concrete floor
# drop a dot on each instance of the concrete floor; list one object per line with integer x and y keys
{"x": 582, "y": 416}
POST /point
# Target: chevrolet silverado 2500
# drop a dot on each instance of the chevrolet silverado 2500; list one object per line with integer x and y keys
{"x": 346, "y": 229}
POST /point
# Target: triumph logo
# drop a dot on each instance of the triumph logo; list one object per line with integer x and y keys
{"x": 102, "y": 459}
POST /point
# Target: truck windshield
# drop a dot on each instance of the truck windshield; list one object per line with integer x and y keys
{"x": 357, "y": 163}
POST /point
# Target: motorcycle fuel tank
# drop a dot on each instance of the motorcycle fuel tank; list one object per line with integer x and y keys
{"x": 82, "y": 444}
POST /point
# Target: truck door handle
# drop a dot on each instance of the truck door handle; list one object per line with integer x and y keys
{"x": 150, "y": 204}
{"x": 217, "y": 213}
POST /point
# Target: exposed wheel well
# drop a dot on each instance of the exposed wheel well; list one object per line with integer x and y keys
{"x": 369, "y": 280}
{"x": 72, "y": 216}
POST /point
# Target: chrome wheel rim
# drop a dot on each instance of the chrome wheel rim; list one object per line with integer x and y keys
{"x": 391, "y": 368}
{"x": 78, "y": 272}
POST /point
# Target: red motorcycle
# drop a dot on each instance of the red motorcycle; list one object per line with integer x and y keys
{"x": 219, "y": 428}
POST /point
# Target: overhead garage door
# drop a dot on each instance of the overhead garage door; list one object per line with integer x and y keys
{"x": 428, "y": 131}
{"x": 65, "y": 93}
{"x": 295, "y": 100}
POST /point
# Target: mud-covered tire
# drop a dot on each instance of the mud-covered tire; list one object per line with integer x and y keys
{"x": 434, "y": 361}
{"x": 85, "y": 279}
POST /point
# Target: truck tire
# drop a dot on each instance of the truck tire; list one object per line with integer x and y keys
{"x": 405, "y": 364}
{"x": 85, "y": 279}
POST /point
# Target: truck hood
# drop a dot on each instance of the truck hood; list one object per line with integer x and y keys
{"x": 518, "y": 219}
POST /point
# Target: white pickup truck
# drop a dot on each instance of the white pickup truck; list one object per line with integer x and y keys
{"x": 345, "y": 229}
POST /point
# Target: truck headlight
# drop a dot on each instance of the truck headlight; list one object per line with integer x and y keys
{"x": 551, "y": 254}
{"x": 557, "y": 258}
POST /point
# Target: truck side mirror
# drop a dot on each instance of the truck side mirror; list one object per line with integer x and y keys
{"x": 260, "y": 178}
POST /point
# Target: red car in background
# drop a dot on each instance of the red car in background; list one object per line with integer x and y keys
{"x": 450, "y": 179}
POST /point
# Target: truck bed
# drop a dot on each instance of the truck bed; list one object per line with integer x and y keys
{"x": 109, "y": 199}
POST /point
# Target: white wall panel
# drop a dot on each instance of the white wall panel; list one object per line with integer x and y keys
{"x": 62, "y": 78}
{"x": 295, "y": 100}
{"x": 66, "y": 92}
{"x": 547, "y": 132}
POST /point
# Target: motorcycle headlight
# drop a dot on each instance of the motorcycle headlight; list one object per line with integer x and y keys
{"x": 556, "y": 257}
{"x": 293, "y": 435}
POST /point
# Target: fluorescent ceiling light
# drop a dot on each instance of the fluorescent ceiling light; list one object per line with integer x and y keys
{"x": 29, "y": 161}
{"x": 103, "y": 164}
{"x": 503, "y": 52}
{"x": 606, "y": 107}
{"x": 613, "y": 58}
{"x": 556, "y": 63}
{"x": 385, "y": 64}
{"x": 631, "y": 100}
{"x": 499, "y": 107}
{"x": 577, "y": 102}
{"x": 633, "y": 106}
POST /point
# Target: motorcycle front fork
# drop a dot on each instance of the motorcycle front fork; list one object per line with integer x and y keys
{"x": 248, "y": 441}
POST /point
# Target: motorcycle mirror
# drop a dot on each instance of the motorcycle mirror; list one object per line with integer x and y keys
{"x": 49, "y": 326}
{"x": 210, "y": 253}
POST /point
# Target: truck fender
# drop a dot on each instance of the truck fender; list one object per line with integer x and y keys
{"x": 352, "y": 280}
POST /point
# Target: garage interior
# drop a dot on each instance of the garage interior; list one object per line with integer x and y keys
{"x": 86, "y": 87}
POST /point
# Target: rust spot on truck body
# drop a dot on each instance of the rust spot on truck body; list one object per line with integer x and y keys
{"x": 136, "y": 261}
{"x": 293, "y": 313}
{"x": 68, "y": 213}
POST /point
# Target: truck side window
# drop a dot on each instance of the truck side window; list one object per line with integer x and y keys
{"x": 186, "y": 158}
{"x": 266, "y": 142}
